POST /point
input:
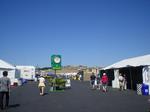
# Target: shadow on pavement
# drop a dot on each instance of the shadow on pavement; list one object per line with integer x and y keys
{"x": 14, "y": 106}
{"x": 45, "y": 94}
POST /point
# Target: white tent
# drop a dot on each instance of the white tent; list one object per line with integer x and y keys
{"x": 141, "y": 61}
{"x": 136, "y": 61}
{"x": 4, "y": 66}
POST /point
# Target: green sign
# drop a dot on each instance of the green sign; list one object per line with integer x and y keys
{"x": 56, "y": 62}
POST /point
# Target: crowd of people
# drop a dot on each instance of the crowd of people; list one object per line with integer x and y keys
{"x": 101, "y": 82}
{"x": 97, "y": 82}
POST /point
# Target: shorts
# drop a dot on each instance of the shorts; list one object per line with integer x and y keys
{"x": 41, "y": 85}
{"x": 104, "y": 83}
{"x": 92, "y": 82}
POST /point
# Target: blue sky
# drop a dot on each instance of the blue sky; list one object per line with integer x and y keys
{"x": 84, "y": 32}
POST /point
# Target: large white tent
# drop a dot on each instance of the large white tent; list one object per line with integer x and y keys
{"x": 136, "y": 61}
{"x": 4, "y": 66}
{"x": 140, "y": 61}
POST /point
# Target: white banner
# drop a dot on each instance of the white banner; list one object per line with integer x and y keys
{"x": 146, "y": 75}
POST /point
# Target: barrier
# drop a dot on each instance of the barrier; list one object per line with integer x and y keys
{"x": 139, "y": 89}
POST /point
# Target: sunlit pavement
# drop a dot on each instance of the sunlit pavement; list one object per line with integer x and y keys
{"x": 80, "y": 98}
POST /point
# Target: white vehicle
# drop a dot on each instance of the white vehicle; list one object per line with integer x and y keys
{"x": 27, "y": 72}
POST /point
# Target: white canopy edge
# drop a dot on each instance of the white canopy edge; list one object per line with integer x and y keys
{"x": 136, "y": 61}
{"x": 5, "y": 65}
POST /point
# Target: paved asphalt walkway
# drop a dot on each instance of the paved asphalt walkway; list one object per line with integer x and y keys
{"x": 80, "y": 98}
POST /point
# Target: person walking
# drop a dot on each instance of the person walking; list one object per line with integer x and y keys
{"x": 95, "y": 83}
{"x": 92, "y": 78}
{"x": 41, "y": 85}
{"x": 104, "y": 81}
{"x": 121, "y": 82}
{"x": 125, "y": 82}
{"x": 4, "y": 90}
{"x": 99, "y": 82}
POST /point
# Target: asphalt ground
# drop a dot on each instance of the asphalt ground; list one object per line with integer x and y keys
{"x": 80, "y": 98}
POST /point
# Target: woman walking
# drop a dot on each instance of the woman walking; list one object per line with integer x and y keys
{"x": 41, "y": 85}
{"x": 104, "y": 81}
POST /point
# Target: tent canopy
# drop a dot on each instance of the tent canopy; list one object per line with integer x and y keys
{"x": 5, "y": 65}
{"x": 137, "y": 61}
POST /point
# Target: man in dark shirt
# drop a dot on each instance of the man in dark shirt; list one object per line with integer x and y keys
{"x": 4, "y": 90}
{"x": 92, "y": 77}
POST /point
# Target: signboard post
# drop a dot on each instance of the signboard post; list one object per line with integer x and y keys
{"x": 56, "y": 62}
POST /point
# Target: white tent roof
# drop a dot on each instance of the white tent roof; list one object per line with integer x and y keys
{"x": 21, "y": 66}
{"x": 5, "y": 65}
{"x": 137, "y": 61}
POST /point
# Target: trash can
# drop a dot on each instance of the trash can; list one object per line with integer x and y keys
{"x": 145, "y": 89}
{"x": 139, "y": 89}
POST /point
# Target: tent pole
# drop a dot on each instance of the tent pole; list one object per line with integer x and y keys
{"x": 55, "y": 71}
{"x": 130, "y": 78}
